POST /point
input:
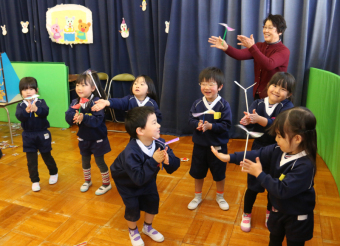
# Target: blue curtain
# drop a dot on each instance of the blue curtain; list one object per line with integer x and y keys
{"x": 174, "y": 60}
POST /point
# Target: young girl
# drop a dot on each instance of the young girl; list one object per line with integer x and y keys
{"x": 291, "y": 179}
{"x": 143, "y": 93}
{"x": 92, "y": 129}
{"x": 279, "y": 90}
{"x": 33, "y": 116}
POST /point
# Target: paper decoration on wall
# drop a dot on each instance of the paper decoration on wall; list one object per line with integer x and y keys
{"x": 167, "y": 25}
{"x": 124, "y": 30}
{"x": 24, "y": 26}
{"x": 70, "y": 24}
{"x": 4, "y": 31}
{"x": 9, "y": 81}
{"x": 143, "y": 6}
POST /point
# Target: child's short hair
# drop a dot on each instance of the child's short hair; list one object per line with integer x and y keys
{"x": 298, "y": 121}
{"x": 151, "y": 87}
{"x": 278, "y": 21}
{"x": 28, "y": 82}
{"x": 88, "y": 80}
{"x": 137, "y": 117}
{"x": 212, "y": 73}
{"x": 285, "y": 80}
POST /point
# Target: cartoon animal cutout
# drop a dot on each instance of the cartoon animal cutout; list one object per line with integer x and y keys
{"x": 167, "y": 25}
{"x": 124, "y": 30}
{"x": 24, "y": 26}
{"x": 69, "y": 24}
{"x": 4, "y": 31}
{"x": 2, "y": 95}
{"x": 83, "y": 29}
{"x": 55, "y": 29}
{"x": 143, "y": 6}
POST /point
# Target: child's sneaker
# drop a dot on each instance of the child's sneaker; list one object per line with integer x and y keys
{"x": 194, "y": 203}
{"x": 154, "y": 234}
{"x": 267, "y": 217}
{"x": 103, "y": 189}
{"x": 85, "y": 186}
{"x": 245, "y": 224}
{"x": 135, "y": 237}
{"x": 36, "y": 186}
{"x": 53, "y": 179}
{"x": 222, "y": 202}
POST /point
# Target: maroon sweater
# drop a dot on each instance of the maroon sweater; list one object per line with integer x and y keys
{"x": 268, "y": 60}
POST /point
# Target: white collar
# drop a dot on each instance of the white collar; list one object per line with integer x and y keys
{"x": 147, "y": 151}
{"x": 292, "y": 158}
{"x": 210, "y": 106}
{"x": 34, "y": 100}
{"x": 269, "y": 111}
{"x": 141, "y": 104}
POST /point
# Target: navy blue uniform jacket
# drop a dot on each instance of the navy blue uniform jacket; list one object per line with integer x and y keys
{"x": 93, "y": 125}
{"x": 133, "y": 171}
{"x": 33, "y": 123}
{"x": 295, "y": 194}
{"x": 219, "y": 134}
{"x": 129, "y": 102}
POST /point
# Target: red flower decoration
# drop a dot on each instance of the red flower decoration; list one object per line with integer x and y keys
{"x": 82, "y": 101}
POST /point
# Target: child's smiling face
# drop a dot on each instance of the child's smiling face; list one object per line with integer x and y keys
{"x": 210, "y": 89}
{"x": 152, "y": 128}
{"x": 84, "y": 90}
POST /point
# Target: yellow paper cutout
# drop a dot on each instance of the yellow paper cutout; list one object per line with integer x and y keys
{"x": 217, "y": 115}
{"x": 282, "y": 177}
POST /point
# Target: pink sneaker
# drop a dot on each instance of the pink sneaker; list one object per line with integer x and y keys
{"x": 245, "y": 224}
{"x": 267, "y": 217}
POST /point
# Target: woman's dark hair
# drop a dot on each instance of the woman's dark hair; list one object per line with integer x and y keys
{"x": 86, "y": 78}
{"x": 212, "y": 73}
{"x": 151, "y": 87}
{"x": 278, "y": 22}
{"x": 28, "y": 82}
{"x": 285, "y": 80}
{"x": 137, "y": 117}
{"x": 298, "y": 121}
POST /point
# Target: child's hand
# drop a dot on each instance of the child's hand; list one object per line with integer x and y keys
{"x": 100, "y": 104}
{"x": 28, "y": 108}
{"x": 253, "y": 168}
{"x": 75, "y": 117}
{"x": 34, "y": 107}
{"x": 206, "y": 126}
{"x": 200, "y": 124}
{"x": 166, "y": 160}
{"x": 159, "y": 155}
{"x": 221, "y": 156}
{"x": 80, "y": 118}
{"x": 245, "y": 120}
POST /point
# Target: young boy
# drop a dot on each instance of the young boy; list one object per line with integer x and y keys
{"x": 211, "y": 129}
{"x": 135, "y": 169}
{"x": 32, "y": 113}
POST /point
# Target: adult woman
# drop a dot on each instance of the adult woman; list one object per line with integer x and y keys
{"x": 269, "y": 57}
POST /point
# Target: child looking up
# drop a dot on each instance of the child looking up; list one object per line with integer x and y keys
{"x": 135, "y": 169}
{"x": 92, "y": 129}
{"x": 209, "y": 129}
{"x": 32, "y": 113}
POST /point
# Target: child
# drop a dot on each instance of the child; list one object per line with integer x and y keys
{"x": 92, "y": 129}
{"x": 135, "y": 169}
{"x": 292, "y": 170}
{"x": 210, "y": 129}
{"x": 143, "y": 93}
{"x": 279, "y": 90}
{"x": 33, "y": 116}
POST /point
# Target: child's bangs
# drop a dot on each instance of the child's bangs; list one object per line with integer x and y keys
{"x": 84, "y": 79}
{"x": 283, "y": 83}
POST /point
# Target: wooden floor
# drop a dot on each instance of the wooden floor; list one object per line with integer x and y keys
{"x": 61, "y": 215}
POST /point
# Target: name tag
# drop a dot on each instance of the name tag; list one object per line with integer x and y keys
{"x": 302, "y": 217}
{"x": 89, "y": 114}
{"x": 217, "y": 115}
{"x": 35, "y": 115}
{"x": 46, "y": 136}
{"x": 282, "y": 177}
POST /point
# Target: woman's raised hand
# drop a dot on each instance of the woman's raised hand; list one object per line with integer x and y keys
{"x": 245, "y": 41}
{"x": 218, "y": 43}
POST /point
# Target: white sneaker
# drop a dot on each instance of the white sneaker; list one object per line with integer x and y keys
{"x": 245, "y": 224}
{"x": 154, "y": 234}
{"x": 135, "y": 238}
{"x": 194, "y": 203}
{"x": 102, "y": 190}
{"x": 222, "y": 203}
{"x": 36, "y": 186}
{"x": 53, "y": 179}
{"x": 85, "y": 186}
